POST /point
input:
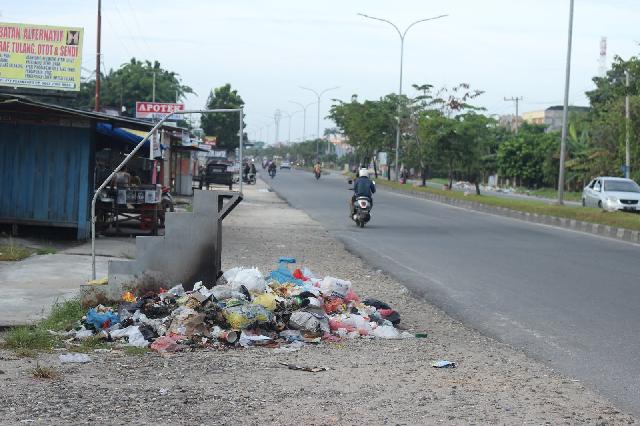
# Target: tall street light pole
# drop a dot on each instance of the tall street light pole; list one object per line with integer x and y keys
{"x": 402, "y": 36}
{"x": 319, "y": 95}
{"x": 97, "y": 98}
{"x": 565, "y": 111}
{"x": 304, "y": 116}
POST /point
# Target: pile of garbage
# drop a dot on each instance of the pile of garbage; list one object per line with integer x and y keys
{"x": 283, "y": 310}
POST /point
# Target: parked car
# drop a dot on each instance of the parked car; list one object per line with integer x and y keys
{"x": 612, "y": 193}
{"x": 285, "y": 165}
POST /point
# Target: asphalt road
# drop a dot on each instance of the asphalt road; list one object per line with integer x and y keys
{"x": 567, "y": 298}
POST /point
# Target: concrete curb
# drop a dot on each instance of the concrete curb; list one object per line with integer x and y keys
{"x": 622, "y": 234}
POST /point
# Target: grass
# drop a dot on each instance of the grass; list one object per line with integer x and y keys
{"x": 89, "y": 344}
{"x": 616, "y": 219}
{"x": 15, "y": 252}
{"x": 551, "y": 193}
{"x": 63, "y": 315}
{"x": 136, "y": 351}
{"x": 41, "y": 372}
{"x": 26, "y": 339}
{"x": 29, "y": 338}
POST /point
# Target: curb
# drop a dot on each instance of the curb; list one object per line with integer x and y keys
{"x": 607, "y": 231}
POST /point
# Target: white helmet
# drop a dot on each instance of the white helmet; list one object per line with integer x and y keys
{"x": 363, "y": 173}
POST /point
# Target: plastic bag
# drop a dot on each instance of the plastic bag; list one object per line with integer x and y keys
{"x": 133, "y": 335}
{"x": 386, "y": 332}
{"x": 267, "y": 300}
{"x": 251, "y": 278}
{"x": 74, "y": 358}
{"x": 244, "y": 316}
{"x": 102, "y": 320}
{"x": 166, "y": 344}
{"x": 309, "y": 321}
{"x": 177, "y": 291}
{"x": 283, "y": 274}
{"x": 224, "y": 292}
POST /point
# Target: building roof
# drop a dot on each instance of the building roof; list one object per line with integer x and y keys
{"x": 22, "y": 104}
{"x": 571, "y": 108}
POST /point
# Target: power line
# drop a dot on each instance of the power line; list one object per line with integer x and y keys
{"x": 126, "y": 26}
{"x": 112, "y": 27}
{"x": 137, "y": 22}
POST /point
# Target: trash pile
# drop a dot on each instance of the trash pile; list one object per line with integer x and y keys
{"x": 284, "y": 310}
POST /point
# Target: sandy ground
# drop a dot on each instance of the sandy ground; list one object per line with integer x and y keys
{"x": 368, "y": 381}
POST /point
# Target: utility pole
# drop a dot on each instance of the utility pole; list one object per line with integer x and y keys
{"x": 304, "y": 116}
{"x": 153, "y": 89}
{"x": 97, "y": 98}
{"x": 627, "y": 115}
{"x": 318, "y": 95}
{"x": 565, "y": 111}
{"x": 276, "y": 119}
{"x": 402, "y": 36}
{"x": 515, "y": 100}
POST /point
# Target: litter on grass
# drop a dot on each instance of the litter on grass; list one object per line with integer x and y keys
{"x": 285, "y": 310}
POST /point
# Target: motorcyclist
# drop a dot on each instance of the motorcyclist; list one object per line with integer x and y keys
{"x": 272, "y": 167}
{"x": 362, "y": 187}
{"x": 316, "y": 169}
{"x": 245, "y": 171}
{"x": 253, "y": 170}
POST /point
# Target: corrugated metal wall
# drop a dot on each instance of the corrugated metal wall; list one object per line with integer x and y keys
{"x": 44, "y": 175}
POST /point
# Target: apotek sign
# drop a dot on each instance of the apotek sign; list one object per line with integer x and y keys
{"x": 156, "y": 110}
{"x": 40, "y": 57}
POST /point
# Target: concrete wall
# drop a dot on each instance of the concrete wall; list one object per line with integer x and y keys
{"x": 187, "y": 253}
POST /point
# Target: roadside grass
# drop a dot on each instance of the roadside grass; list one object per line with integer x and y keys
{"x": 89, "y": 344}
{"x": 136, "y": 351}
{"x": 63, "y": 315}
{"x": 25, "y": 340}
{"x": 617, "y": 219}
{"x": 40, "y": 372}
{"x": 29, "y": 338}
{"x": 551, "y": 193}
{"x": 15, "y": 252}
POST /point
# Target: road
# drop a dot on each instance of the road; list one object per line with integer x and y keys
{"x": 569, "y": 299}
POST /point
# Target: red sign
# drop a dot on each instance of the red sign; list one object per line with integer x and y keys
{"x": 156, "y": 110}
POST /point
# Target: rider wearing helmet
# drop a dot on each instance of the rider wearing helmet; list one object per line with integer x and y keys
{"x": 363, "y": 187}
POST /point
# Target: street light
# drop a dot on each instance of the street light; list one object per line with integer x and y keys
{"x": 565, "y": 111}
{"x": 319, "y": 95}
{"x": 304, "y": 117}
{"x": 402, "y": 35}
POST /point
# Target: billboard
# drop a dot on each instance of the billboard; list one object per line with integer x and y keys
{"x": 157, "y": 110}
{"x": 210, "y": 140}
{"x": 40, "y": 56}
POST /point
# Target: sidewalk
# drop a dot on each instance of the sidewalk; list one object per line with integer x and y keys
{"x": 368, "y": 381}
{"x": 29, "y": 287}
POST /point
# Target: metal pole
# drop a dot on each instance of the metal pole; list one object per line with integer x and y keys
{"x": 153, "y": 93}
{"x": 399, "y": 96}
{"x": 627, "y": 114}
{"x": 565, "y": 111}
{"x": 97, "y": 96}
{"x": 121, "y": 165}
{"x": 318, "y": 95}
{"x": 304, "y": 116}
{"x": 402, "y": 36}
{"x": 241, "y": 140}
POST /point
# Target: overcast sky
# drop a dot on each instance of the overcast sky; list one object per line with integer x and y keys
{"x": 266, "y": 49}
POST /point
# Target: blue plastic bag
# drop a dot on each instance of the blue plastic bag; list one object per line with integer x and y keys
{"x": 102, "y": 320}
{"x": 283, "y": 274}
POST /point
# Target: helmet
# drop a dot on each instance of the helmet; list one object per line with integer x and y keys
{"x": 363, "y": 173}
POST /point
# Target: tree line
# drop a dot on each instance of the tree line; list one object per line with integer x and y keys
{"x": 444, "y": 134}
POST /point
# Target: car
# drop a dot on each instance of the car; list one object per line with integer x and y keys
{"x": 612, "y": 193}
{"x": 285, "y": 165}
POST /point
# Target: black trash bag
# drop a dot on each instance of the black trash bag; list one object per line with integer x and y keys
{"x": 378, "y": 304}
{"x": 148, "y": 332}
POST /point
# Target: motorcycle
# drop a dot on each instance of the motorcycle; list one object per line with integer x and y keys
{"x": 272, "y": 173}
{"x": 317, "y": 173}
{"x": 249, "y": 179}
{"x": 361, "y": 210}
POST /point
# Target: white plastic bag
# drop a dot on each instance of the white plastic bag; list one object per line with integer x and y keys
{"x": 251, "y": 278}
{"x": 386, "y": 332}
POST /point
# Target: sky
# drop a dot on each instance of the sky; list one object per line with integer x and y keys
{"x": 268, "y": 49}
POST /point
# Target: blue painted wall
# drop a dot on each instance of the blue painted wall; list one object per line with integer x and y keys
{"x": 44, "y": 175}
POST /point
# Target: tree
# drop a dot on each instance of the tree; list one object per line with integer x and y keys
{"x": 131, "y": 83}
{"x": 224, "y": 126}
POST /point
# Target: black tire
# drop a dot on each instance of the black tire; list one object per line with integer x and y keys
{"x": 584, "y": 203}
{"x": 361, "y": 224}
{"x": 600, "y": 204}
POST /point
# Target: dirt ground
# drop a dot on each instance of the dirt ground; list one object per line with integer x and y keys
{"x": 368, "y": 381}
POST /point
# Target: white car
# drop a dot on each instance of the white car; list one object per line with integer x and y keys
{"x": 612, "y": 193}
{"x": 285, "y": 165}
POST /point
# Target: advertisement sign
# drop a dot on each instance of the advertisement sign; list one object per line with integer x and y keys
{"x": 382, "y": 158}
{"x": 210, "y": 140}
{"x": 40, "y": 56}
{"x": 157, "y": 110}
{"x": 155, "y": 151}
